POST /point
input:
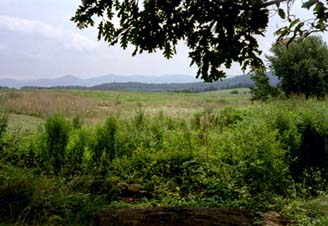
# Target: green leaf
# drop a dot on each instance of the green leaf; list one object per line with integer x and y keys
{"x": 298, "y": 27}
{"x": 282, "y": 13}
{"x": 294, "y": 22}
{"x": 309, "y": 4}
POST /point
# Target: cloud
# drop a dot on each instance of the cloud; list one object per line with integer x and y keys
{"x": 3, "y": 47}
{"x": 69, "y": 40}
{"x": 29, "y": 27}
{"x": 81, "y": 43}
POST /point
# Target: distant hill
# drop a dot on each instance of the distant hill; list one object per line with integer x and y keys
{"x": 169, "y": 83}
{"x": 235, "y": 82}
{"x": 70, "y": 80}
{"x": 241, "y": 81}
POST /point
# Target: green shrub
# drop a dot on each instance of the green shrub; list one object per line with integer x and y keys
{"x": 256, "y": 158}
{"x": 228, "y": 116}
{"x": 57, "y": 135}
{"x": 3, "y": 127}
{"x": 204, "y": 120}
{"x": 77, "y": 122}
{"x": 16, "y": 190}
{"x": 313, "y": 151}
{"x": 105, "y": 143}
{"x": 139, "y": 117}
{"x": 235, "y": 91}
{"x": 165, "y": 175}
{"x": 3, "y": 123}
{"x": 78, "y": 149}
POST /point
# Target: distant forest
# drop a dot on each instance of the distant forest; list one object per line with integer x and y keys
{"x": 242, "y": 81}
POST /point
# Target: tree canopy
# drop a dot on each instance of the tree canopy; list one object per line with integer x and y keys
{"x": 302, "y": 67}
{"x": 217, "y": 32}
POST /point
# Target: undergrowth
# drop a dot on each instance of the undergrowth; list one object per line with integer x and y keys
{"x": 266, "y": 157}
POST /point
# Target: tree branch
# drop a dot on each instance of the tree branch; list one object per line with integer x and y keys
{"x": 273, "y": 2}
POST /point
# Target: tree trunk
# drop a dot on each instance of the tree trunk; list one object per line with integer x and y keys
{"x": 187, "y": 216}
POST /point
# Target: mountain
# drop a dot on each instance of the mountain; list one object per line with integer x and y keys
{"x": 171, "y": 83}
{"x": 70, "y": 80}
{"x": 228, "y": 83}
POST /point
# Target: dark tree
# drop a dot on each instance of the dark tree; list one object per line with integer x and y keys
{"x": 302, "y": 67}
{"x": 262, "y": 89}
{"x": 217, "y": 32}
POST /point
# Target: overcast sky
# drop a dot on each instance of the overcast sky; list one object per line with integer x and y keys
{"x": 38, "y": 40}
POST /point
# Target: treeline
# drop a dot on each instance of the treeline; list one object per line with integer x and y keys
{"x": 243, "y": 81}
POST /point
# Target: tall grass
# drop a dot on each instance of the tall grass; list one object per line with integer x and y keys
{"x": 97, "y": 105}
{"x": 46, "y": 103}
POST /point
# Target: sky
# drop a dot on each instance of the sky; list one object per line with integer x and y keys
{"x": 38, "y": 40}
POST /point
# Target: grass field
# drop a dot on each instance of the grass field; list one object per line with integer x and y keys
{"x": 95, "y": 106}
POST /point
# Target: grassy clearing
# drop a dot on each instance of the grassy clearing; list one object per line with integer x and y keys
{"x": 97, "y": 105}
{"x": 24, "y": 122}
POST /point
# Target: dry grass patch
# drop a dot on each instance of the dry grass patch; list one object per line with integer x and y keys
{"x": 94, "y": 106}
{"x": 45, "y": 103}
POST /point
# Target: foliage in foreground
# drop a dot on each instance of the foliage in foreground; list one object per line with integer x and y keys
{"x": 265, "y": 157}
{"x": 217, "y": 33}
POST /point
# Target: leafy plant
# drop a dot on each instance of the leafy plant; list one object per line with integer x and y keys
{"x": 3, "y": 127}
{"x": 105, "y": 143}
{"x": 77, "y": 122}
{"x": 57, "y": 135}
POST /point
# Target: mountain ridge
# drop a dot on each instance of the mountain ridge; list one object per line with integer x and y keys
{"x": 168, "y": 83}
{"x": 72, "y": 80}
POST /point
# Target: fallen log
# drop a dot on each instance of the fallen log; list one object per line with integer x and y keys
{"x": 187, "y": 216}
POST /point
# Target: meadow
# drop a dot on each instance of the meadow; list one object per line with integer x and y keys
{"x": 67, "y": 155}
{"x": 95, "y": 106}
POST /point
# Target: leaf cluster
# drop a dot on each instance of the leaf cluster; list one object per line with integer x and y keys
{"x": 217, "y": 32}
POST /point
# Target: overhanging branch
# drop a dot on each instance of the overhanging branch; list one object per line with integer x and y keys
{"x": 273, "y": 2}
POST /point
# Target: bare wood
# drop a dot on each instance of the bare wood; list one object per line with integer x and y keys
{"x": 186, "y": 216}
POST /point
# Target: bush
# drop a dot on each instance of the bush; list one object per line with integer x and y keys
{"x": 77, "y": 150}
{"x": 3, "y": 123}
{"x": 16, "y": 190}
{"x": 3, "y": 127}
{"x": 256, "y": 158}
{"x": 235, "y": 91}
{"x": 227, "y": 117}
{"x": 30, "y": 199}
{"x": 57, "y": 135}
{"x": 77, "y": 122}
{"x": 105, "y": 143}
{"x": 313, "y": 151}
